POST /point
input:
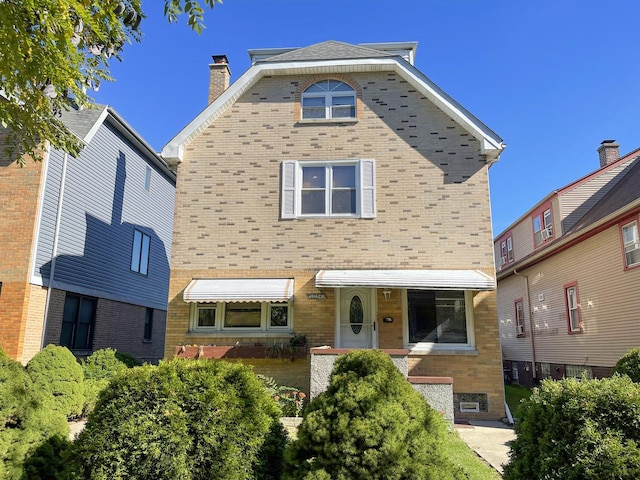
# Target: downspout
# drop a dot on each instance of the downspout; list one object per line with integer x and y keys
{"x": 533, "y": 343}
{"x": 54, "y": 249}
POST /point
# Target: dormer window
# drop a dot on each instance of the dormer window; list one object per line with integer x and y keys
{"x": 329, "y": 99}
{"x": 542, "y": 227}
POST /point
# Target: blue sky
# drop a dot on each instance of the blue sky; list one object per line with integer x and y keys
{"x": 553, "y": 78}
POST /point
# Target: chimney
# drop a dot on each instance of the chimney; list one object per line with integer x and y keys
{"x": 219, "y": 76}
{"x": 609, "y": 152}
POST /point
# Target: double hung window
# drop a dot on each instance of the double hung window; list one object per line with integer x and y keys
{"x": 328, "y": 189}
{"x": 631, "y": 244}
{"x": 542, "y": 227}
{"x": 328, "y": 99}
{"x": 573, "y": 309}
{"x": 519, "y": 318}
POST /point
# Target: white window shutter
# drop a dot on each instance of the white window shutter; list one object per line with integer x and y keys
{"x": 288, "y": 193}
{"x": 368, "y": 189}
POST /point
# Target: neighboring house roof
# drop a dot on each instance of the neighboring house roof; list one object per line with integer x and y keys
{"x": 85, "y": 122}
{"x": 621, "y": 199}
{"x": 321, "y": 59}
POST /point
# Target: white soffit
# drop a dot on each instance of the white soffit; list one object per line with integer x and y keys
{"x": 239, "y": 290}
{"x": 416, "y": 279}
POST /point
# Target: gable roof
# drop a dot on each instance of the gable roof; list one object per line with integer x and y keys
{"x": 85, "y": 122}
{"x": 316, "y": 59}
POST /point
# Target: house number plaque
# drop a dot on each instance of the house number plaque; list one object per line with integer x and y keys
{"x": 316, "y": 296}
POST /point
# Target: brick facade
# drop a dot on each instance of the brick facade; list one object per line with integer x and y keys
{"x": 432, "y": 212}
{"x": 20, "y": 196}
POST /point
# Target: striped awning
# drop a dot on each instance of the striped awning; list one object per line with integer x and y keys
{"x": 239, "y": 290}
{"x": 416, "y": 279}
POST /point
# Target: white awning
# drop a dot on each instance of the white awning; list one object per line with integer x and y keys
{"x": 239, "y": 290}
{"x": 416, "y": 279}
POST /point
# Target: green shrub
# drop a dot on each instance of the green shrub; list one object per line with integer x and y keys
{"x": 27, "y": 419}
{"x": 572, "y": 429}
{"x": 99, "y": 368}
{"x": 369, "y": 424}
{"x": 55, "y": 370}
{"x": 629, "y": 364}
{"x": 186, "y": 419}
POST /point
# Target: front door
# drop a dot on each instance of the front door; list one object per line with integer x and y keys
{"x": 357, "y": 318}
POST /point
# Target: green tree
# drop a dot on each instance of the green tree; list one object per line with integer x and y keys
{"x": 54, "y": 51}
{"x": 184, "y": 419}
{"x": 629, "y": 364}
{"x": 578, "y": 430}
{"x": 369, "y": 424}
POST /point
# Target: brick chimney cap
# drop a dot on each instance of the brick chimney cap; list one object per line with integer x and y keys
{"x": 220, "y": 59}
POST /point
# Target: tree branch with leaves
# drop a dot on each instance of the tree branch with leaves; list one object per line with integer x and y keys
{"x": 54, "y": 52}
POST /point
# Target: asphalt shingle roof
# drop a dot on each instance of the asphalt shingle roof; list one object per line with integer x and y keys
{"x": 80, "y": 121}
{"x": 329, "y": 50}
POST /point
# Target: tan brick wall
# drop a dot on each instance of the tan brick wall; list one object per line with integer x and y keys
{"x": 476, "y": 373}
{"x": 19, "y": 197}
{"x": 432, "y": 210}
{"x": 35, "y": 322}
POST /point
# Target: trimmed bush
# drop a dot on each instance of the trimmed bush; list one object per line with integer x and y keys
{"x": 27, "y": 419}
{"x": 186, "y": 419}
{"x": 572, "y": 429}
{"x": 629, "y": 364}
{"x": 55, "y": 370}
{"x": 99, "y": 368}
{"x": 369, "y": 424}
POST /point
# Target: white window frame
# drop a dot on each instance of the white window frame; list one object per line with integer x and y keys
{"x": 632, "y": 245}
{"x": 545, "y": 224}
{"x": 510, "y": 249}
{"x": 328, "y": 96}
{"x": 427, "y": 347}
{"x": 292, "y": 172}
{"x": 140, "y": 252}
{"x": 219, "y": 327}
{"x": 571, "y": 296}
{"x": 519, "y": 307}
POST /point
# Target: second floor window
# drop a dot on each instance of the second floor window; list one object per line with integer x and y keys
{"x": 329, "y": 99}
{"x": 509, "y": 249}
{"x": 140, "y": 253}
{"x": 328, "y": 189}
{"x": 631, "y": 243}
{"x": 542, "y": 227}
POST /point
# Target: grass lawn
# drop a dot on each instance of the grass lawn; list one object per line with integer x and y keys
{"x": 460, "y": 454}
{"x": 514, "y": 394}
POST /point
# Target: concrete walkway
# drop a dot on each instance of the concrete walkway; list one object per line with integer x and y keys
{"x": 490, "y": 440}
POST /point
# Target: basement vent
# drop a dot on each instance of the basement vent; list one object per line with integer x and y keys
{"x": 469, "y": 407}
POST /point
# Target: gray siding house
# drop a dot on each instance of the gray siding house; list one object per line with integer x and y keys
{"x": 103, "y": 242}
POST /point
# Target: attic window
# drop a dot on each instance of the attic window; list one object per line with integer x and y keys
{"x": 329, "y": 99}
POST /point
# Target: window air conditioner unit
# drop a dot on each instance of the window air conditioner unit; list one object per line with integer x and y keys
{"x": 503, "y": 260}
{"x": 520, "y": 329}
{"x": 546, "y": 233}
